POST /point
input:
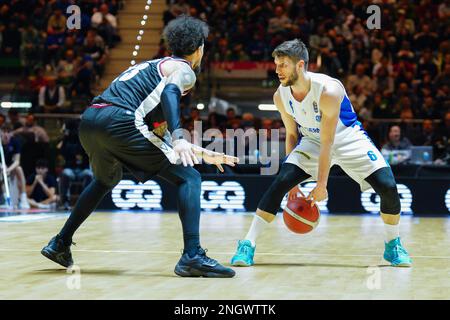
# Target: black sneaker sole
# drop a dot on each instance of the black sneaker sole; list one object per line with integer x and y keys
{"x": 53, "y": 255}
{"x": 192, "y": 273}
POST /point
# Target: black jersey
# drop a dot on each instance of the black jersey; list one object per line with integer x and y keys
{"x": 138, "y": 90}
{"x": 139, "y": 87}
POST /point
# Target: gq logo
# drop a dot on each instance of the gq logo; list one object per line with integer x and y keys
{"x": 127, "y": 194}
{"x": 228, "y": 196}
{"x": 371, "y": 201}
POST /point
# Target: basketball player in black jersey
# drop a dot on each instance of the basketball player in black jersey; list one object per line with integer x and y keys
{"x": 116, "y": 131}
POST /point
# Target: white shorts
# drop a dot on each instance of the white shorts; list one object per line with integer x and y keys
{"x": 353, "y": 151}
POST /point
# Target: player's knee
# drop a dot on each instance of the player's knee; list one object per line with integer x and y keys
{"x": 390, "y": 200}
{"x": 193, "y": 178}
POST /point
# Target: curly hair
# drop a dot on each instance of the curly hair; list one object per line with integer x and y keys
{"x": 185, "y": 34}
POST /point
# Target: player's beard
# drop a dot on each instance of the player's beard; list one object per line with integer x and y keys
{"x": 292, "y": 79}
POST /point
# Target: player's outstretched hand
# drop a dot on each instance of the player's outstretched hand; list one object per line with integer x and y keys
{"x": 183, "y": 149}
{"x": 215, "y": 158}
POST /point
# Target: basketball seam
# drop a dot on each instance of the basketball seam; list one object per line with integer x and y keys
{"x": 301, "y": 219}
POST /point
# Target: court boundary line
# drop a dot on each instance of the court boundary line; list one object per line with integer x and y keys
{"x": 227, "y": 253}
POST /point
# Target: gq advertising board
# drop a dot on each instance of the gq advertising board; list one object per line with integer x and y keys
{"x": 424, "y": 196}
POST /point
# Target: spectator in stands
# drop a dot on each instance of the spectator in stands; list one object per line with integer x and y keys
{"x": 406, "y": 108}
{"x": 428, "y": 109}
{"x": 2, "y": 120}
{"x": 15, "y": 121}
{"x": 55, "y": 36}
{"x": 40, "y": 135}
{"x": 41, "y": 187}
{"x": 442, "y": 143}
{"x": 106, "y": 23}
{"x": 96, "y": 53}
{"x": 11, "y": 41}
{"x": 66, "y": 68}
{"x": 396, "y": 141}
{"x": 427, "y": 137}
{"x": 426, "y": 38}
{"x": 38, "y": 80}
{"x": 231, "y": 116}
{"x": 52, "y": 97}
{"x": 56, "y": 23}
{"x": 81, "y": 86}
{"x": 11, "y": 149}
{"x": 360, "y": 79}
{"x": 76, "y": 167}
{"x": 427, "y": 65}
{"x": 280, "y": 23}
{"x": 32, "y": 46}
{"x": 176, "y": 8}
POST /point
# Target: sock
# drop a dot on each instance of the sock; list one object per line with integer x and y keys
{"x": 43, "y": 206}
{"x": 191, "y": 244}
{"x": 23, "y": 197}
{"x": 391, "y": 231}
{"x": 258, "y": 226}
{"x": 86, "y": 203}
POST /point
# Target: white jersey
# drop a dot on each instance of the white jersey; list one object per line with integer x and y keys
{"x": 352, "y": 150}
{"x": 307, "y": 112}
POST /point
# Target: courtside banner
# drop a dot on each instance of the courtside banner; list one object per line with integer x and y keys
{"x": 424, "y": 196}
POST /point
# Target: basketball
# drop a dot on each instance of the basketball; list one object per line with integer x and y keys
{"x": 300, "y": 217}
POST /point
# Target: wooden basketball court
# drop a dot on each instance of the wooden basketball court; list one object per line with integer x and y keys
{"x": 132, "y": 256}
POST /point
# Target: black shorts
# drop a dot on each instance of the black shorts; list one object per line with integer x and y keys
{"x": 111, "y": 139}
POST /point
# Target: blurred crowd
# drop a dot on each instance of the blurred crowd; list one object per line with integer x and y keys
{"x": 43, "y": 174}
{"x": 59, "y": 60}
{"x": 401, "y": 71}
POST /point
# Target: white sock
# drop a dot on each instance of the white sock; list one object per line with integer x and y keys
{"x": 43, "y": 206}
{"x": 391, "y": 231}
{"x": 258, "y": 226}
{"x": 23, "y": 197}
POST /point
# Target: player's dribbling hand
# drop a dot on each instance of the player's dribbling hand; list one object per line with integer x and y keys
{"x": 183, "y": 149}
{"x": 293, "y": 193}
{"x": 318, "y": 194}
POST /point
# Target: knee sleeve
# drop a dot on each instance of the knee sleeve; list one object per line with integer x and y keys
{"x": 383, "y": 182}
{"x": 289, "y": 176}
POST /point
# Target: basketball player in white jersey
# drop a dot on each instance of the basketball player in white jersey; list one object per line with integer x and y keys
{"x": 322, "y": 130}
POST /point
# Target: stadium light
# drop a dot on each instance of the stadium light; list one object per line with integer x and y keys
{"x": 267, "y": 107}
{"x": 9, "y": 104}
{"x": 200, "y": 106}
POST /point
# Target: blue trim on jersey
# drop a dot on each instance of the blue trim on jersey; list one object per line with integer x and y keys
{"x": 347, "y": 115}
{"x": 357, "y": 123}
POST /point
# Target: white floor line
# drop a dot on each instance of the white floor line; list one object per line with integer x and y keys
{"x": 229, "y": 253}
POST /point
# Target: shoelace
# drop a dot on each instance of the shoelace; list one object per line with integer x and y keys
{"x": 399, "y": 249}
{"x": 243, "y": 250}
{"x": 206, "y": 259}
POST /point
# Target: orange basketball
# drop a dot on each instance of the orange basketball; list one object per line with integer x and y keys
{"x": 299, "y": 216}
